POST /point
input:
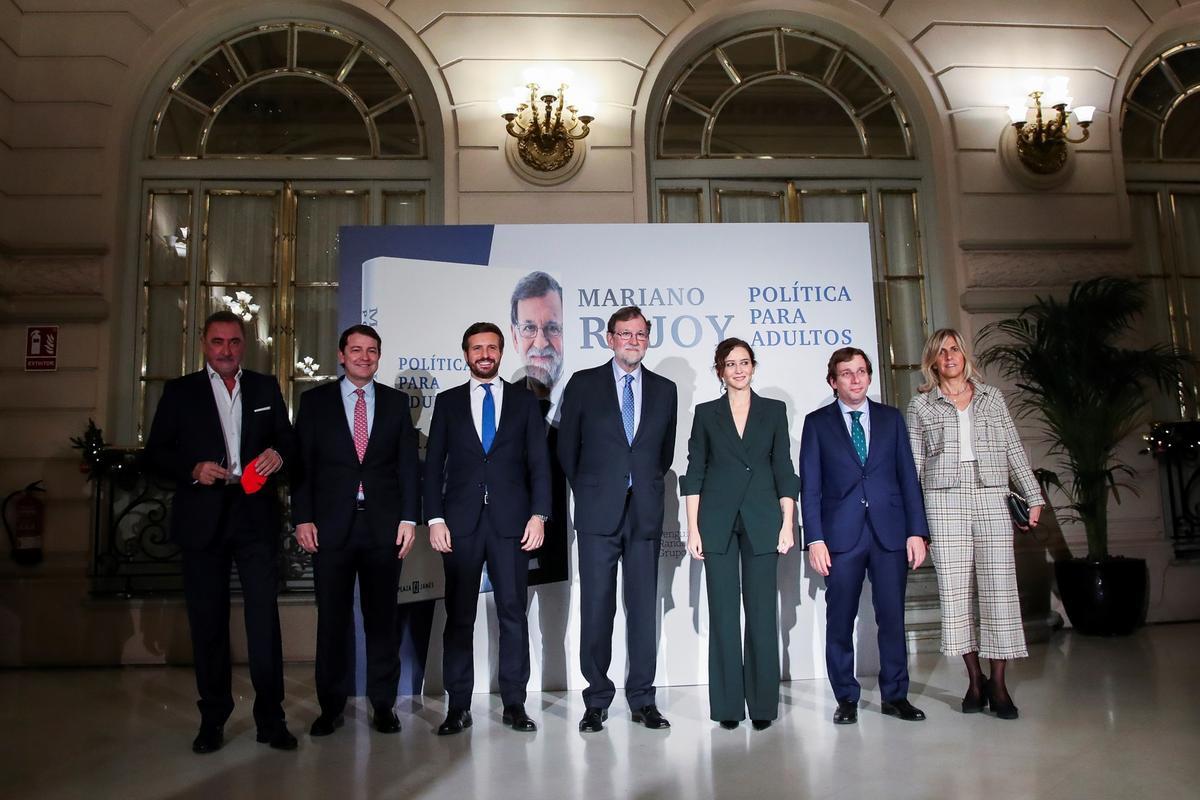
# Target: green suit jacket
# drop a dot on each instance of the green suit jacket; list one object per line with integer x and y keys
{"x": 744, "y": 475}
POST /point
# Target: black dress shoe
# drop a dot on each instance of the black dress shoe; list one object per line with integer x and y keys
{"x": 457, "y": 721}
{"x": 651, "y": 717}
{"x": 846, "y": 713}
{"x": 593, "y": 720}
{"x": 974, "y": 702}
{"x": 325, "y": 724}
{"x": 760, "y": 724}
{"x": 729, "y": 724}
{"x": 516, "y": 718}
{"x": 1003, "y": 710}
{"x": 277, "y": 737}
{"x": 209, "y": 739}
{"x": 386, "y": 720}
{"x": 903, "y": 709}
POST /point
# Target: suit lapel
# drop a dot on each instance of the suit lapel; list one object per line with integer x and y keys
{"x": 209, "y": 405}
{"x": 879, "y": 430}
{"x": 835, "y": 413}
{"x": 506, "y": 410}
{"x": 382, "y": 410}
{"x": 248, "y": 415}
{"x": 612, "y": 405}
{"x": 464, "y": 403}
{"x": 724, "y": 414}
{"x": 649, "y": 397}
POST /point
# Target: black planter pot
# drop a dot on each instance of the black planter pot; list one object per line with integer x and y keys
{"x": 1103, "y": 598}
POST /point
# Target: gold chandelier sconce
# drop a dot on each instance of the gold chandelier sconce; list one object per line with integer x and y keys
{"x": 543, "y": 132}
{"x": 1035, "y": 146}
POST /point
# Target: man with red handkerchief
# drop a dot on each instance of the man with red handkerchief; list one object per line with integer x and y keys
{"x": 222, "y": 435}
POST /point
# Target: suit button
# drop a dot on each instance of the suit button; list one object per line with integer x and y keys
{"x": 485, "y": 460}
{"x": 747, "y": 469}
{"x": 863, "y": 501}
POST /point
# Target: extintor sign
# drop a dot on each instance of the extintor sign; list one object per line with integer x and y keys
{"x": 41, "y": 348}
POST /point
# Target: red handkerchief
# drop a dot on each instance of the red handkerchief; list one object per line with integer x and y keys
{"x": 251, "y": 480}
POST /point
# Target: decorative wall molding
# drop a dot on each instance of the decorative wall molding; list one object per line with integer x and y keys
{"x": 60, "y": 308}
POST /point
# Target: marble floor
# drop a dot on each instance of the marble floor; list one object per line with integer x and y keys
{"x": 1100, "y": 718}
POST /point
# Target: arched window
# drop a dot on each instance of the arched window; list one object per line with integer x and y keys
{"x": 785, "y": 125}
{"x": 1160, "y": 139}
{"x": 782, "y": 93}
{"x": 288, "y": 90}
{"x": 255, "y": 152}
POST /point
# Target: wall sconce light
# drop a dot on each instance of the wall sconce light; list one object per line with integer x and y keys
{"x": 1042, "y": 141}
{"x": 241, "y": 304}
{"x": 1033, "y": 148}
{"x": 544, "y": 130}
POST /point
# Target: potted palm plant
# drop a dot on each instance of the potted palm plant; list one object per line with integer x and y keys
{"x": 1089, "y": 393}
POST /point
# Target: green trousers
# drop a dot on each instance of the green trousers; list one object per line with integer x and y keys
{"x": 737, "y": 682}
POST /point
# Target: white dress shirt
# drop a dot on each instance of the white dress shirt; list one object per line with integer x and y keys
{"x": 865, "y": 419}
{"x": 229, "y": 409}
{"x": 619, "y": 376}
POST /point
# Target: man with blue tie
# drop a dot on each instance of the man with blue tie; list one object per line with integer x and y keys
{"x": 863, "y": 515}
{"x": 616, "y": 441}
{"x": 487, "y": 498}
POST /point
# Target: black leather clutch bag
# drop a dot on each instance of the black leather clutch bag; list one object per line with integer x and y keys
{"x": 1018, "y": 509}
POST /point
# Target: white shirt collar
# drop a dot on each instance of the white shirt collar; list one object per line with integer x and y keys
{"x": 845, "y": 409}
{"x": 212, "y": 373}
{"x": 348, "y": 388}
{"x": 476, "y": 383}
{"x": 619, "y": 374}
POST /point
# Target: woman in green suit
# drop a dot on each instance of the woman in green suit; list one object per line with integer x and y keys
{"x": 740, "y": 490}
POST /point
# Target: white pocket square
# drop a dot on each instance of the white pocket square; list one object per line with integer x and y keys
{"x": 264, "y": 408}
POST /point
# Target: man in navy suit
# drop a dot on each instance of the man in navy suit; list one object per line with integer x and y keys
{"x": 209, "y": 428}
{"x": 863, "y": 516}
{"x": 616, "y": 440}
{"x": 355, "y": 502}
{"x": 487, "y": 499}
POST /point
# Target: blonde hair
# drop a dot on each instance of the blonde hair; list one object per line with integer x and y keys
{"x": 929, "y": 357}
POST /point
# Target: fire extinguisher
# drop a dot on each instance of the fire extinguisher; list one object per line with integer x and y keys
{"x": 25, "y": 531}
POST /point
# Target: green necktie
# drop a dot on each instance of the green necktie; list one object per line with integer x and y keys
{"x": 858, "y": 436}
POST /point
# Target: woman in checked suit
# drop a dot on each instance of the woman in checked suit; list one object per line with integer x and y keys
{"x": 966, "y": 450}
{"x": 740, "y": 491}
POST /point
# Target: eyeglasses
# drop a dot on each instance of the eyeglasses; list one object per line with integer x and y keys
{"x": 625, "y": 336}
{"x": 551, "y": 330}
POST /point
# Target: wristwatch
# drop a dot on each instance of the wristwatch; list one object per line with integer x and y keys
{"x": 542, "y": 517}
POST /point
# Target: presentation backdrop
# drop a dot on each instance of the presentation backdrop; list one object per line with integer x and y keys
{"x": 795, "y": 292}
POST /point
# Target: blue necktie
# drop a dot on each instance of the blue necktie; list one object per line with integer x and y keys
{"x": 489, "y": 418}
{"x": 858, "y": 436}
{"x": 627, "y": 408}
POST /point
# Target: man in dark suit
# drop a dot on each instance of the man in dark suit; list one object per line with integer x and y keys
{"x": 487, "y": 498}
{"x": 210, "y": 428}
{"x": 616, "y": 441}
{"x": 863, "y": 515}
{"x": 355, "y": 503}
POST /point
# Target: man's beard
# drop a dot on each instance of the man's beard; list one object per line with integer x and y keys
{"x": 538, "y": 373}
